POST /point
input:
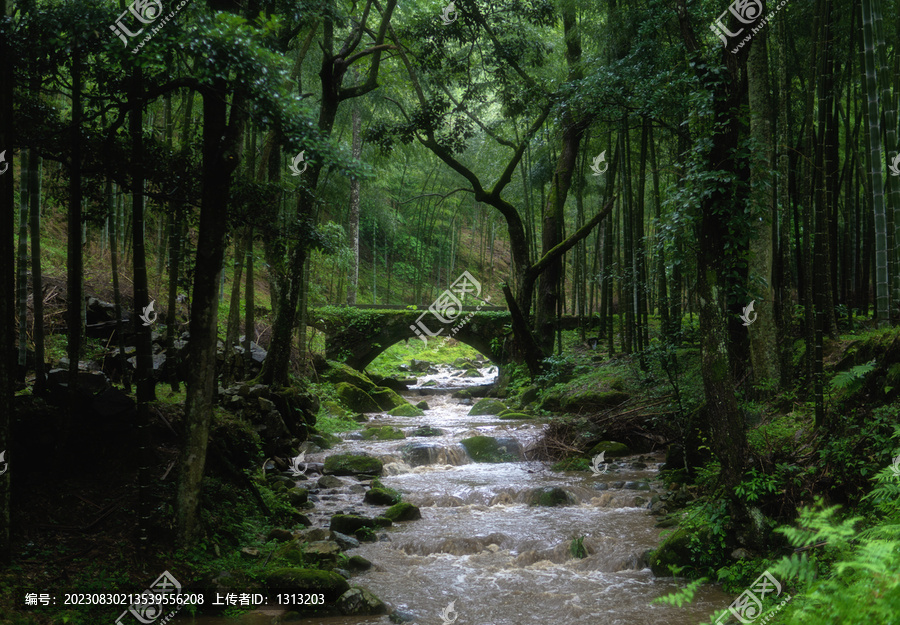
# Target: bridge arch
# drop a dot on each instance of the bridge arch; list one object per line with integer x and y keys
{"x": 356, "y": 336}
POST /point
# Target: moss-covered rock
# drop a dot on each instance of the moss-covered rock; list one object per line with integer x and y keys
{"x": 472, "y": 373}
{"x": 350, "y": 523}
{"x": 298, "y": 496}
{"x": 509, "y": 416}
{"x": 386, "y": 398}
{"x": 352, "y": 464}
{"x": 593, "y": 399}
{"x": 487, "y": 406}
{"x": 334, "y": 409}
{"x": 355, "y": 398}
{"x": 551, "y": 496}
{"x": 422, "y": 405}
{"x": 358, "y": 563}
{"x": 383, "y": 433}
{"x": 321, "y": 553}
{"x": 675, "y": 549}
{"x": 488, "y": 449}
{"x": 382, "y": 496}
{"x": 403, "y": 511}
{"x": 427, "y": 430}
{"x": 406, "y": 410}
{"x": 360, "y": 602}
{"x": 339, "y": 372}
{"x": 611, "y": 449}
{"x": 310, "y": 581}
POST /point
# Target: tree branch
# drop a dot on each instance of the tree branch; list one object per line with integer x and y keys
{"x": 535, "y": 270}
{"x": 443, "y": 197}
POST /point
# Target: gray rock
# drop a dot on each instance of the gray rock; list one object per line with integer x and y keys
{"x": 330, "y": 481}
{"x": 358, "y": 602}
{"x": 346, "y": 542}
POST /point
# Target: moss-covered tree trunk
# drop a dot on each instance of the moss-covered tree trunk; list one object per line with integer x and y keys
{"x": 221, "y": 155}
{"x": 763, "y": 332}
{"x": 7, "y": 286}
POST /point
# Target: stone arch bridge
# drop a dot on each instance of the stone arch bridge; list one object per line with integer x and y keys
{"x": 356, "y": 335}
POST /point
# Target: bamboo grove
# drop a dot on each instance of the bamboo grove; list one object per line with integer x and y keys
{"x": 608, "y": 160}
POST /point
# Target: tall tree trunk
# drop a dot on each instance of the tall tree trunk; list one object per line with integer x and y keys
{"x": 870, "y": 12}
{"x": 353, "y": 280}
{"x": 232, "y": 328}
{"x": 784, "y": 300}
{"x": 176, "y": 246}
{"x": 74, "y": 255}
{"x": 249, "y": 301}
{"x": 22, "y": 263}
{"x": 112, "y": 211}
{"x": 144, "y": 380}
{"x": 554, "y": 215}
{"x": 7, "y": 287}
{"x": 37, "y": 286}
{"x": 221, "y": 155}
{"x": 763, "y": 333}
{"x": 663, "y": 285}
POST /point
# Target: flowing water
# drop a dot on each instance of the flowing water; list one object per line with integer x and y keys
{"x": 481, "y": 545}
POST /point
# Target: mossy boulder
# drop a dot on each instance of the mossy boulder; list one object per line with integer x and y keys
{"x": 611, "y": 449}
{"x": 489, "y": 449}
{"x": 321, "y": 553}
{"x": 350, "y": 523}
{"x": 403, "y": 511}
{"x": 309, "y": 581}
{"x": 352, "y": 464}
{"x": 358, "y": 563}
{"x": 510, "y": 416}
{"x": 334, "y": 409}
{"x": 383, "y": 433}
{"x": 406, "y": 410}
{"x": 339, "y": 372}
{"x": 551, "y": 497}
{"x": 422, "y": 405}
{"x": 382, "y": 496}
{"x": 472, "y": 373}
{"x": 594, "y": 399}
{"x": 355, "y": 398}
{"x": 298, "y": 496}
{"x": 386, "y": 398}
{"x": 487, "y": 406}
{"x": 360, "y": 602}
{"x": 427, "y": 430}
{"x": 676, "y": 549}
